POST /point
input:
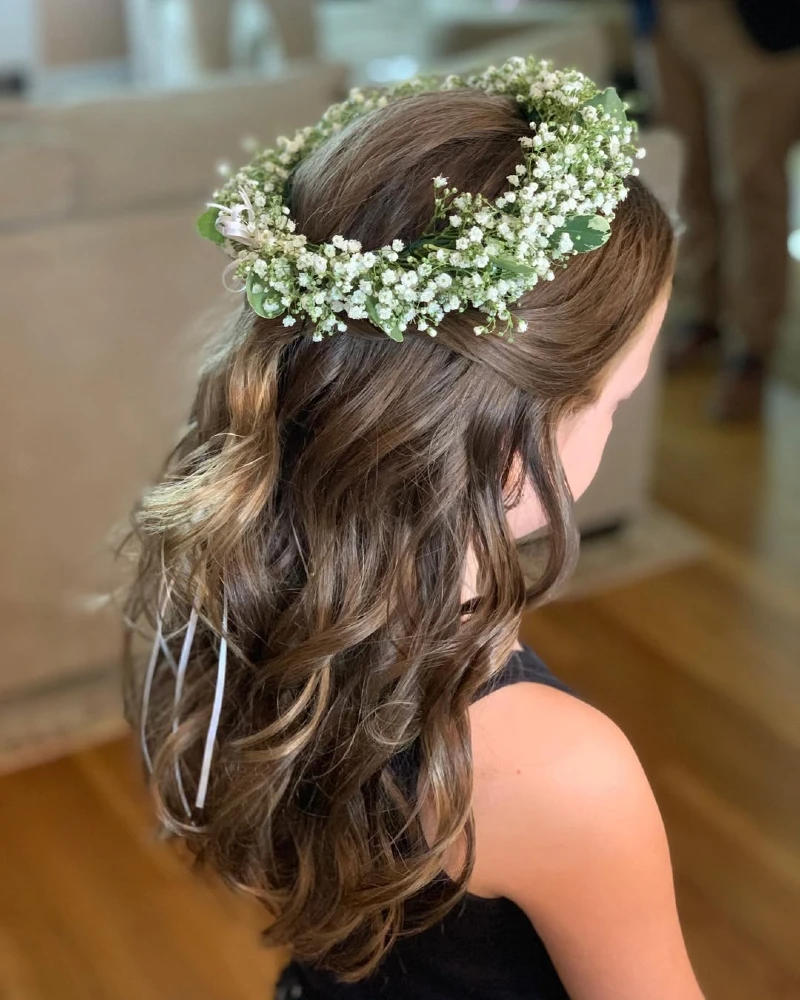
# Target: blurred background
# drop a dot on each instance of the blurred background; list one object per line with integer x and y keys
{"x": 683, "y": 621}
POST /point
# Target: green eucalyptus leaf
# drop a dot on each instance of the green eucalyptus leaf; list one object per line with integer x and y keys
{"x": 513, "y": 266}
{"x": 206, "y": 226}
{"x": 599, "y": 223}
{"x": 587, "y": 232}
{"x": 609, "y": 101}
{"x": 258, "y": 298}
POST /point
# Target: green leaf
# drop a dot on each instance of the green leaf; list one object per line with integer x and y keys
{"x": 260, "y": 303}
{"x": 599, "y": 223}
{"x": 587, "y": 232}
{"x": 206, "y": 226}
{"x": 514, "y": 266}
{"x": 609, "y": 101}
{"x": 390, "y": 329}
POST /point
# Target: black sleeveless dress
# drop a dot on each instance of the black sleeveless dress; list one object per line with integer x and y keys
{"x": 484, "y": 949}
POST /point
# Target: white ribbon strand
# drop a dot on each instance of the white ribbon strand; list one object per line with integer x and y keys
{"x": 208, "y": 754}
{"x": 180, "y": 676}
{"x": 158, "y": 646}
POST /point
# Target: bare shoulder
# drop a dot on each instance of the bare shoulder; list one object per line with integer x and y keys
{"x": 538, "y": 748}
{"x": 567, "y": 827}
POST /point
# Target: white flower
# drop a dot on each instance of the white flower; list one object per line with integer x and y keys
{"x": 573, "y": 164}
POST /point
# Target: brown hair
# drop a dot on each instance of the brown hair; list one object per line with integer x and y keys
{"x": 331, "y": 491}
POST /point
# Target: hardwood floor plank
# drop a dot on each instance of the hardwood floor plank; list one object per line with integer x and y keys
{"x": 730, "y": 964}
{"x": 118, "y": 903}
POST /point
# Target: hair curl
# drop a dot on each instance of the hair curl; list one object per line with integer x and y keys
{"x": 331, "y": 490}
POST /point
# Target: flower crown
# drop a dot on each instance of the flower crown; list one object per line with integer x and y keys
{"x": 476, "y": 253}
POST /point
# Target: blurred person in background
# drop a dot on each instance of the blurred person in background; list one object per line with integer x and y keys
{"x": 727, "y": 79}
{"x": 337, "y": 712}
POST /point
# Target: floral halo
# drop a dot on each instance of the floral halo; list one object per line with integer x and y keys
{"x": 476, "y": 254}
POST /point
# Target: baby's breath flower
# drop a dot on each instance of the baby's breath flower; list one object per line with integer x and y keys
{"x": 575, "y": 159}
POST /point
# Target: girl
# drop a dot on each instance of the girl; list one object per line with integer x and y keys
{"x": 337, "y": 713}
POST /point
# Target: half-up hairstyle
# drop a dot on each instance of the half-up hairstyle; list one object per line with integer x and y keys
{"x": 323, "y": 499}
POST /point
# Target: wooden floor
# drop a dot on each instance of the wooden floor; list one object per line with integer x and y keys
{"x": 701, "y": 666}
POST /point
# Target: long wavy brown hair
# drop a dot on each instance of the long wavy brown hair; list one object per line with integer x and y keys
{"x": 331, "y": 492}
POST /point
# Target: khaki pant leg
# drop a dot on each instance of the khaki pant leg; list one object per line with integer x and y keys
{"x": 755, "y": 109}
{"x": 680, "y": 102}
{"x": 763, "y": 120}
{"x": 297, "y": 26}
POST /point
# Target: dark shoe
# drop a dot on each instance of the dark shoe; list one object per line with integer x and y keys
{"x": 690, "y": 345}
{"x": 739, "y": 393}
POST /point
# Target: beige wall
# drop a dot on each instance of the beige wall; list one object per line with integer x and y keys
{"x": 75, "y": 31}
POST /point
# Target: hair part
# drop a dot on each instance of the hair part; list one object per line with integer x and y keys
{"x": 331, "y": 491}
